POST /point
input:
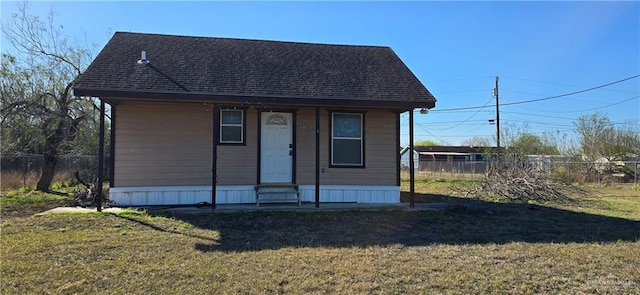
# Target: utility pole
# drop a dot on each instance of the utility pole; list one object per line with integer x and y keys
{"x": 496, "y": 94}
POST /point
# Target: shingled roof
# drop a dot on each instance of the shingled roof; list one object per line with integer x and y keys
{"x": 224, "y": 69}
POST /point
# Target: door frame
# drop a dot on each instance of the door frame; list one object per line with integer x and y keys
{"x": 293, "y": 140}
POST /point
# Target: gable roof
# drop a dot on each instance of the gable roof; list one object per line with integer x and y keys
{"x": 224, "y": 69}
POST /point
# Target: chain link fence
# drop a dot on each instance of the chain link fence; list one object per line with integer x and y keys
{"x": 595, "y": 172}
{"x": 24, "y": 170}
{"x": 568, "y": 171}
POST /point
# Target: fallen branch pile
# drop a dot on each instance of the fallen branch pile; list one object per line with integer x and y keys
{"x": 87, "y": 196}
{"x": 522, "y": 188}
{"x": 522, "y": 185}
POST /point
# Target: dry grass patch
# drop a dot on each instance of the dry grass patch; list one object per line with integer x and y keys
{"x": 516, "y": 250}
{"x": 16, "y": 180}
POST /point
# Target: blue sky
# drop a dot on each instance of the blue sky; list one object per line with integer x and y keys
{"x": 538, "y": 49}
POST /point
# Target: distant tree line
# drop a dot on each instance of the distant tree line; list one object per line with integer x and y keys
{"x": 596, "y": 137}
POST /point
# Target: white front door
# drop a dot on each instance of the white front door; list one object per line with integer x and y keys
{"x": 276, "y": 147}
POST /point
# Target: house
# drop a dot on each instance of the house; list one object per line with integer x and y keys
{"x": 446, "y": 158}
{"x": 201, "y": 119}
{"x": 543, "y": 163}
{"x": 406, "y": 155}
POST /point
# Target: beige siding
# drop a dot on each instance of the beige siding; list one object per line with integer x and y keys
{"x": 306, "y": 145}
{"x": 380, "y": 150}
{"x": 238, "y": 164}
{"x": 166, "y": 144}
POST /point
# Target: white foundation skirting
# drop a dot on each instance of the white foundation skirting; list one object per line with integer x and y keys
{"x": 240, "y": 194}
{"x": 351, "y": 193}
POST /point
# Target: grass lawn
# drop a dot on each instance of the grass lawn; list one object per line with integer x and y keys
{"x": 589, "y": 246}
{"x": 27, "y": 201}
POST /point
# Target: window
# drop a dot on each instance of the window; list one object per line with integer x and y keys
{"x": 347, "y": 140}
{"x": 231, "y": 126}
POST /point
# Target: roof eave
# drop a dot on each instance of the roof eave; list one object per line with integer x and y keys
{"x": 204, "y": 97}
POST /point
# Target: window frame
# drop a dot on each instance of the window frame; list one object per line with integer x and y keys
{"x": 242, "y": 125}
{"x": 332, "y": 114}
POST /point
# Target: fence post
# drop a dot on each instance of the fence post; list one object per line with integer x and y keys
{"x": 635, "y": 173}
{"x": 24, "y": 171}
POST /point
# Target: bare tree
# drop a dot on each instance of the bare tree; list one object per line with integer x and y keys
{"x": 599, "y": 138}
{"x": 36, "y": 81}
{"x": 531, "y": 144}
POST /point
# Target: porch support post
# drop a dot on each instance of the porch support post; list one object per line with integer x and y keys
{"x": 101, "y": 157}
{"x": 398, "y": 156}
{"x": 317, "y": 157}
{"x": 214, "y": 154}
{"x": 412, "y": 197}
{"x": 112, "y": 146}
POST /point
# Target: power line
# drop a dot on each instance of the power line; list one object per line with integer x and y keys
{"x": 425, "y": 129}
{"x": 474, "y": 122}
{"x": 538, "y": 115}
{"x": 448, "y": 111}
{"x": 490, "y": 99}
{"x": 544, "y": 98}
{"x": 556, "y": 83}
{"x": 597, "y": 108}
{"x": 453, "y": 136}
{"x": 451, "y": 122}
{"x": 536, "y": 123}
{"x": 462, "y": 91}
{"x": 458, "y": 79}
{"x": 543, "y": 82}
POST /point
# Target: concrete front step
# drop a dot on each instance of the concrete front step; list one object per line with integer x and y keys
{"x": 277, "y": 193}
